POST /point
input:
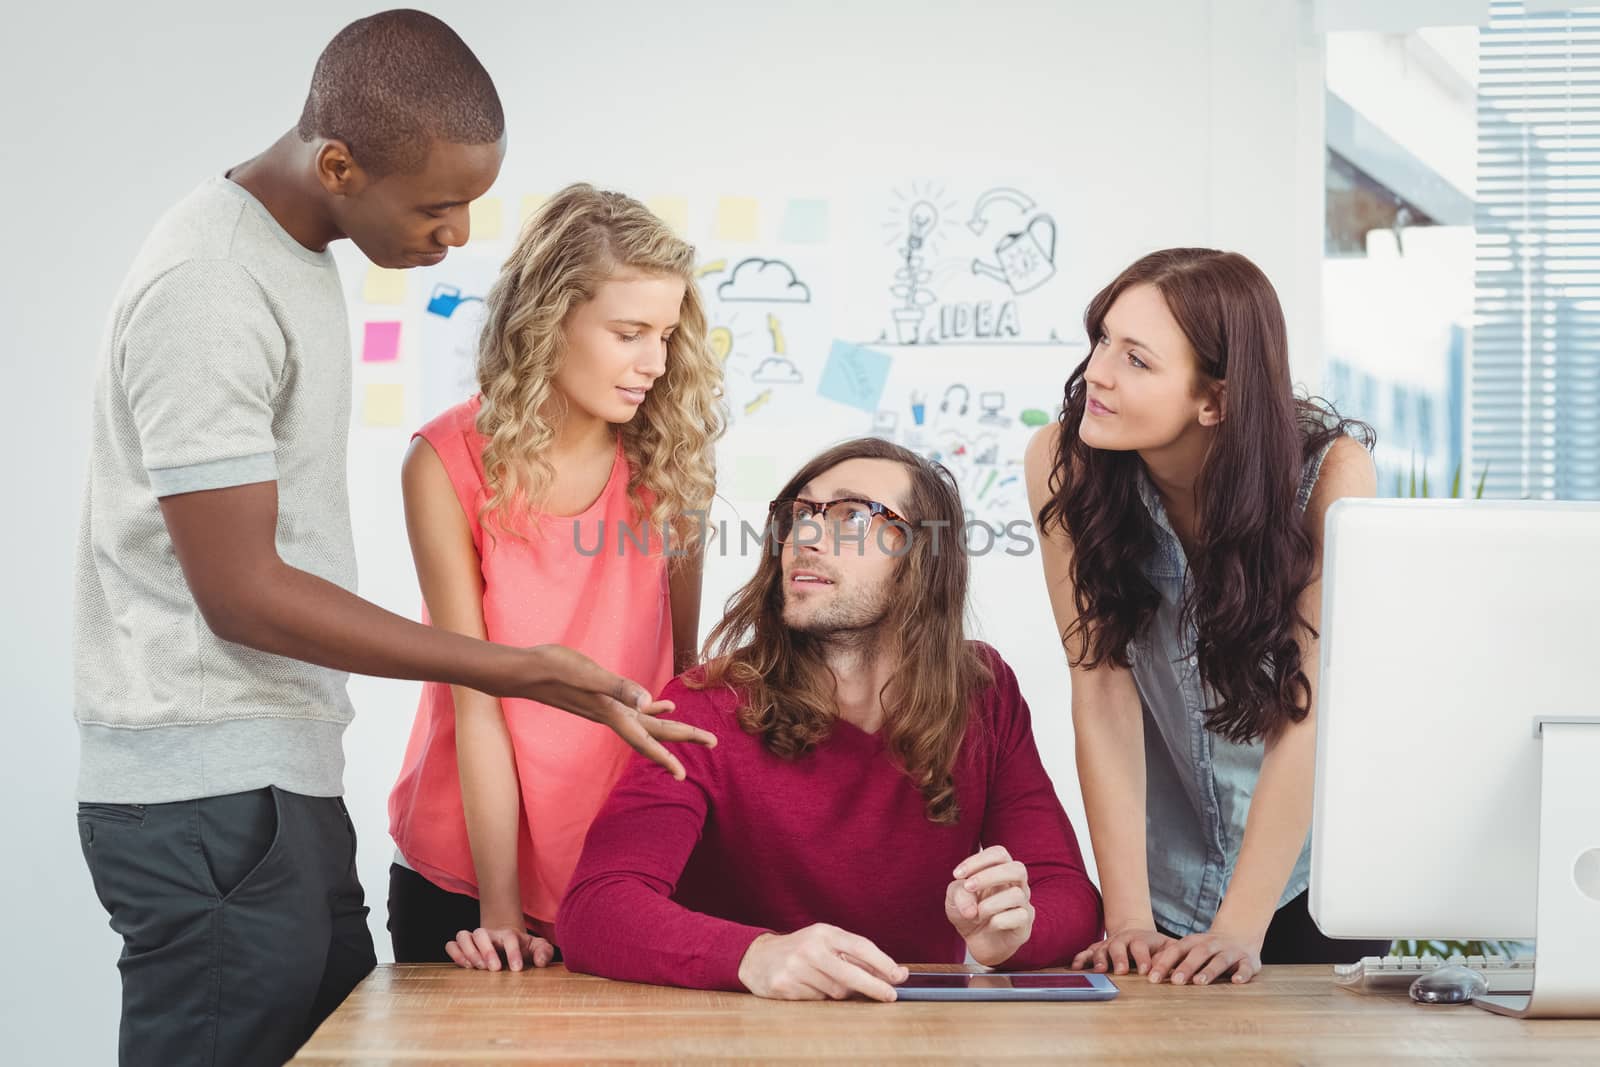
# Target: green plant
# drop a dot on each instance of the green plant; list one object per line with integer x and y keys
{"x": 1404, "y": 489}
{"x": 1446, "y": 949}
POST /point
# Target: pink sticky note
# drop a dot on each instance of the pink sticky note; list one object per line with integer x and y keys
{"x": 381, "y": 343}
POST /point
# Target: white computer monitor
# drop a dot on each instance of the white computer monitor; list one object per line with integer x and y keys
{"x": 1457, "y": 786}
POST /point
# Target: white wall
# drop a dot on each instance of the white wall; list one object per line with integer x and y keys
{"x": 1420, "y": 88}
{"x": 1171, "y": 122}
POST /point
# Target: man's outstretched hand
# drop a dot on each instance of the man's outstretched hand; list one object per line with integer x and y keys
{"x": 573, "y": 682}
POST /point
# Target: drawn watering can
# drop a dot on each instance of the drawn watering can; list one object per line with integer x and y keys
{"x": 1027, "y": 257}
{"x": 446, "y": 298}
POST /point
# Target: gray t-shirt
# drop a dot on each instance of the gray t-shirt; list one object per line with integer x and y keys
{"x": 226, "y": 361}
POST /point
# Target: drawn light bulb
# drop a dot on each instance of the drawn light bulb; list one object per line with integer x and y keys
{"x": 721, "y": 341}
{"x": 924, "y": 217}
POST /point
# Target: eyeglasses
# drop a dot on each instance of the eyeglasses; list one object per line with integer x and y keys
{"x": 848, "y": 516}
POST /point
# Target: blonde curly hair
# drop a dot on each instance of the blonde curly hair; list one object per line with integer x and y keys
{"x": 576, "y": 240}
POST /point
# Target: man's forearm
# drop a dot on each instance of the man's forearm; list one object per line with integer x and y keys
{"x": 290, "y": 612}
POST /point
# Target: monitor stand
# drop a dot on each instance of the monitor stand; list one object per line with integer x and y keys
{"x": 1566, "y": 972}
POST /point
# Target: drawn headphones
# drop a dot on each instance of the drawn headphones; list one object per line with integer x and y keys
{"x": 966, "y": 395}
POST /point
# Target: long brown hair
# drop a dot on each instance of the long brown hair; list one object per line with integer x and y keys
{"x": 785, "y": 687}
{"x": 1254, "y": 557}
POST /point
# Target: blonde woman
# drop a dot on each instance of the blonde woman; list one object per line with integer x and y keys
{"x": 539, "y": 513}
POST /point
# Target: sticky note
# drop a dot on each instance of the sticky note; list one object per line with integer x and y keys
{"x": 1034, "y": 417}
{"x": 672, "y": 210}
{"x": 384, "y": 286}
{"x": 754, "y": 478}
{"x": 854, "y": 375}
{"x": 485, "y": 215}
{"x": 805, "y": 222}
{"x": 530, "y": 204}
{"x": 736, "y": 218}
{"x": 380, "y": 342}
{"x": 384, "y": 405}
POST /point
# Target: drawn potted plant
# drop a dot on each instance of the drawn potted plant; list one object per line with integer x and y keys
{"x": 911, "y": 278}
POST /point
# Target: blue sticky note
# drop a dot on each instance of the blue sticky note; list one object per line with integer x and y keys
{"x": 854, "y": 376}
{"x": 805, "y": 222}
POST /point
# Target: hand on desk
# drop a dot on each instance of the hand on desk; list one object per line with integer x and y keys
{"x": 1204, "y": 958}
{"x": 818, "y": 962}
{"x": 988, "y": 904}
{"x": 481, "y": 949}
{"x": 1129, "y": 948}
{"x": 1199, "y": 958}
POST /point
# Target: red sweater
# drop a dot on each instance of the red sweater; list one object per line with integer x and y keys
{"x": 677, "y": 878}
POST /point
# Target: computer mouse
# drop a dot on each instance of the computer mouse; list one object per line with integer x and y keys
{"x": 1449, "y": 985}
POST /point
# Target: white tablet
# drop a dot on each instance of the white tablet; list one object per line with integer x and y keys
{"x": 1020, "y": 985}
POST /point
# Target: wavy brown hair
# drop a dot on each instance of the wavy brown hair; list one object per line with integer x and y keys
{"x": 784, "y": 683}
{"x": 576, "y": 240}
{"x": 1254, "y": 558}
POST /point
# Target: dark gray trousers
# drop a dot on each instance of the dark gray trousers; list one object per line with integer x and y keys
{"x": 242, "y": 921}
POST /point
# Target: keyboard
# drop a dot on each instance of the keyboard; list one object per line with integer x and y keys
{"x": 1394, "y": 974}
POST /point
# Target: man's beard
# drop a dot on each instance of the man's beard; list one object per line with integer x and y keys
{"x": 852, "y": 626}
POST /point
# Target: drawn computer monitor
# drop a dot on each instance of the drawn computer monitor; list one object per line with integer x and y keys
{"x": 1457, "y": 786}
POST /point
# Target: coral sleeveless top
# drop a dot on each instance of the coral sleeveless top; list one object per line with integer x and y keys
{"x": 582, "y": 581}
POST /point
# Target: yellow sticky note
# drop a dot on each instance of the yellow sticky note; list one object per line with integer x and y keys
{"x": 385, "y": 405}
{"x": 736, "y": 218}
{"x": 485, "y": 218}
{"x": 531, "y": 203}
{"x": 672, "y": 210}
{"x": 384, "y": 286}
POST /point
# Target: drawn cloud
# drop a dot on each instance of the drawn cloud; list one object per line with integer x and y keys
{"x": 767, "y": 280}
{"x": 774, "y": 370}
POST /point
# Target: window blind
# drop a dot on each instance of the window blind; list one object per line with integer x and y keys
{"x": 1535, "y": 367}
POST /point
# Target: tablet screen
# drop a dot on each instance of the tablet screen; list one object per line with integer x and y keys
{"x": 919, "y": 980}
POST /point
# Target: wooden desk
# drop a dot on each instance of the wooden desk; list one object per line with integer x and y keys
{"x": 441, "y": 1014}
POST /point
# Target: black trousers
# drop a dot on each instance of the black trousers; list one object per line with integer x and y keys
{"x": 243, "y": 923}
{"x": 423, "y": 917}
{"x": 1293, "y": 938}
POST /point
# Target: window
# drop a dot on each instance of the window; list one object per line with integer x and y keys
{"x": 1462, "y": 249}
{"x": 1399, "y": 243}
{"x": 1535, "y": 369}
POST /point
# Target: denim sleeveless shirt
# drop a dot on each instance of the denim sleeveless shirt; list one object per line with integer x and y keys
{"x": 1198, "y": 785}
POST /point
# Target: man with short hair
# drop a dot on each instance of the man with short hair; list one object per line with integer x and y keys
{"x": 214, "y": 611}
{"x": 876, "y": 798}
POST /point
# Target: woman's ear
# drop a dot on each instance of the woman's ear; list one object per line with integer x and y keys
{"x": 1214, "y": 404}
